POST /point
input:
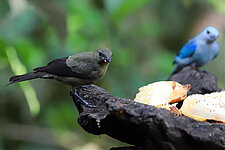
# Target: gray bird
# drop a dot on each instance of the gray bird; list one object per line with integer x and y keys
{"x": 76, "y": 70}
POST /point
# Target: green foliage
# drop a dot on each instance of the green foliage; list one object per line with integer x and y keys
{"x": 219, "y": 4}
{"x": 14, "y": 27}
{"x": 4, "y": 8}
{"x": 120, "y": 9}
{"x": 144, "y": 36}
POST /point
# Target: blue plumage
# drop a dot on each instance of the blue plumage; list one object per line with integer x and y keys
{"x": 199, "y": 50}
{"x": 187, "y": 50}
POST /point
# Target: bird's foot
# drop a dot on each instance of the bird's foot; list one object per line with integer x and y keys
{"x": 81, "y": 100}
{"x": 193, "y": 66}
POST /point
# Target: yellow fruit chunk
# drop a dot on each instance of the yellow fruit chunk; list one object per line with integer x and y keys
{"x": 205, "y": 107}
{"x": 161, "y": 94}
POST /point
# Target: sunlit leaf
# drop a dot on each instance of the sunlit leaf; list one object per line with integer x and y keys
{"x": 30, "y": 53}
{"x": 18, "y": 68}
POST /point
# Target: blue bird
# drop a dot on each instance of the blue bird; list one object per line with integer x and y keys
{"x": 199, "y": 50}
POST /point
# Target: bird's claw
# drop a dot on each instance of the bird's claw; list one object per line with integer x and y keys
{"x": 193, "y": 66}
{"x": 81, "y": 100}
{"x": 89, "y": 105}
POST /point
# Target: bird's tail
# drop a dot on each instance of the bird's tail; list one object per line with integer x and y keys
{"x": 24, "y": 77}
{"x": 175, "y": 70}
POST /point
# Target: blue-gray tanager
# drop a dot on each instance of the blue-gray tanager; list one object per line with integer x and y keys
{"x": 199, "y": 50}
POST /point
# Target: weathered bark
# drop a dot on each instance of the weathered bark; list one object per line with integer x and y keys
{"x": 147, "y": 126}
{"x": 201, "y": 81}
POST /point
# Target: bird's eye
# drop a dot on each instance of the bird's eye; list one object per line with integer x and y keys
{"x": 207, "y": 32}
{"x": 101, "y": 54}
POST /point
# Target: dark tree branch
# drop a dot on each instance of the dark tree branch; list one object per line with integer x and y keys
{"x": 201, "y": 82}
{"x": 147, "y": 126}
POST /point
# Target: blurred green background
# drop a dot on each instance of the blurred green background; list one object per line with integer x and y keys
{"x": 144, "y": 35}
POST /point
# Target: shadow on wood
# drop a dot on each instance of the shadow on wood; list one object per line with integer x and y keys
{"x": 146, "y": 126}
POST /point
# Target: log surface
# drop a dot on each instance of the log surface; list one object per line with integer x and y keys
{"x": 146, "y": 126}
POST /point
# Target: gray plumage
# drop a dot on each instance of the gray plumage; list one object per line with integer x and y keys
{"x": 76, "y": 70}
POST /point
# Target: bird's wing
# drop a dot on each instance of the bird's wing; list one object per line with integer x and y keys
{"x": 59, "y": 67}
{"x": 81, "y": 65}
{"x": 188, "y": 49}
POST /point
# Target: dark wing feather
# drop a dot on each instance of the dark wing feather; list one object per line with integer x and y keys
{"x": 59, "y": 67}
{"x": 85, "y": 65}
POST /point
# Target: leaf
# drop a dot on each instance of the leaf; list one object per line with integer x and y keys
{"x": 29, "y": 92}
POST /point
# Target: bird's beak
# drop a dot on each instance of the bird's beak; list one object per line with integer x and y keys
{"x": 213, "y": 38}
{"x": 107, "y": 60}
